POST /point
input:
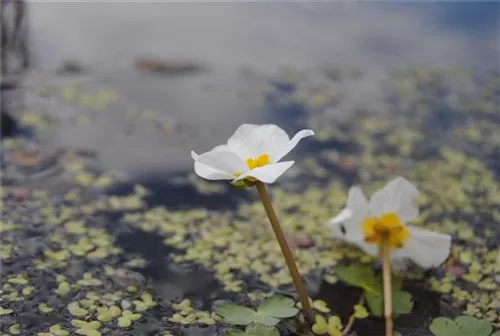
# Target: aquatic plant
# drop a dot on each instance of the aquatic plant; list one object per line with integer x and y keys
{"x": 461, "y": 326}
{"x": 269, "y": 312}
{"x": 251, "y": 158}
{"x": 377, "y": 227}
{"x": 364, "y": 276}
{"x": 254, "y": 329}
{"x": 456, "y": 170}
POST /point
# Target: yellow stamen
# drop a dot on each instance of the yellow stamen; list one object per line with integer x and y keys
{"x": 387, "y": 224}
{"x": 261, "y": 161}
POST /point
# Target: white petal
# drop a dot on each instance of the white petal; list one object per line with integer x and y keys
{"x": 370, "y": 249}
{"x": 397, "y": 196}
{"x": 282, "y": 151}
{"x": 358, "y": 204}
{"x": 240, "y": 141}
{"x": 216, "y": 148}
{"x": 251, "y": 141}
{"x": 194, "y": 155}
{"x": 341, "y": 225}
{"x": 223, "y": 161}
{"x": 209, "y": 173}
{"x": 344, "y": 215}
{"x": 269, "y": 173}
{"x": 425, "y": 248}
{"x": 347, "y": 225}
{"x": 221, "y": 148}
{"x": 270, "y": 139}
{"x": 244, "y": 132}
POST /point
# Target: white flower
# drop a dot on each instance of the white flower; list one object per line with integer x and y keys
{"x": 252, "y": 153}
{"x": 362, "y": 222}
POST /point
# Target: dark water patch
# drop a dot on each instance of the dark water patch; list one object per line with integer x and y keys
{"x": 426, "y": 305}
{"x": 283, "y": 87}
{"x": 200, "y": 331}
{"x": 441, "y": 119}
{"x": 147, "y": 327}
{"x": 341, "y": 299}
{"x": 175, "y": 282}
{"x": 150, "y": 246}
{"x": 8, "y": 125}
{"x": 164, "y": 191}
{"x": 171, "y": 281}
{"x": 287, "y": 112}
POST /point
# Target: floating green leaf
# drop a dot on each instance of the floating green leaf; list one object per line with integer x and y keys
{"x": 360, "y": 312}
{"x": 461, "y": 326}
{"x": 268, "y": 313}
{"x": 236, "y": 314}
{"x": 264, "y": 319}
{"x": 363, "y": 276}
{"x": 358, "y": 275}
{"x": 473, "y": 326}
{"x": 254, "y": 329}
{"x": 401, "y": 303}
{"x": 4, "y": 311}
{"x": 278, "y": 306}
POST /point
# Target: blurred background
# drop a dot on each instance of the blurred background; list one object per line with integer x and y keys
{"x": 102, "y": 103}
{"x": 198, "y": 70}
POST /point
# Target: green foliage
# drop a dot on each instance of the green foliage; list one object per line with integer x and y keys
{"x": 278, "y": 306}
{"x": 461, "y": 326}
{"x": 236, "y": 314}
{"x": 364, "y": 277}
{"x": 254, "y": 329}
{"x": 360, "y": 312}
{"x": 268, "y": 313}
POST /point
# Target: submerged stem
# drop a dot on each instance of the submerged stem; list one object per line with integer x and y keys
{"x": 386, "y": 274}
{"x": 287, "y": 253}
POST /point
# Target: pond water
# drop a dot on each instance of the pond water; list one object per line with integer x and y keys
{"x": 129, "y": 89}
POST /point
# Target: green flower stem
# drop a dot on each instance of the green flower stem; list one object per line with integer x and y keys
{"x": 386, "y": 276}
{"x": 287, "y": 253}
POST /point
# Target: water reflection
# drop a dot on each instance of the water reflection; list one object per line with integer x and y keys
{"x": 264, "y": 36}
{"x": 228, "y": 38}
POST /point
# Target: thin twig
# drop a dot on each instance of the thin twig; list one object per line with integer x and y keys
{"x": 352, "y": 318}
{"x": 386, "y": 274}
{"x": 287, "y": 253}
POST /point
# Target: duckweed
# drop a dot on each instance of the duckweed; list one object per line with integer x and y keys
{"x": 75, "y": 309}
{"x": 57, "y": 330}
{"x": 44, "y": 308}
{"x": 15, "y": 329}
{"x": 5, "y": 311}
{"x": 237, "y": 245}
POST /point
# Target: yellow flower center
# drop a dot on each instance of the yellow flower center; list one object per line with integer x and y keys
{"x": 374, "y": 229}
{"x": 261, "y": 161}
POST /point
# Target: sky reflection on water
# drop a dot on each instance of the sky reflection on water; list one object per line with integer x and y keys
{"x": 266, "y": 35}
{"x": 230, "y": 37}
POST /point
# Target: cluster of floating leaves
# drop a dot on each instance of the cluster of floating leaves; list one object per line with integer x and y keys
{"x": 64, "y": 272}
